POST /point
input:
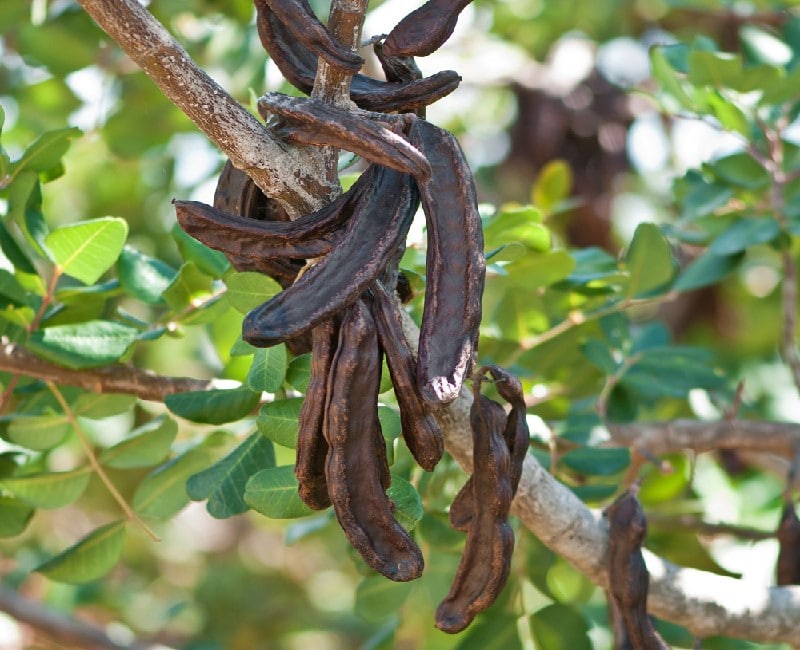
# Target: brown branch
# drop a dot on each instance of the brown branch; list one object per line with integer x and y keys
{"x": 110, "y": 379}
{"x": 284, "y": 173}
{"x": 62, "y": 629}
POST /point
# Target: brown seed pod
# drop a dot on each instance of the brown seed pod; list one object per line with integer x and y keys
{"x": 355, "y": 481}
{"x": 424, "y": 30}
{"x": 312, "y": 448}
{"x": 788, "y": 566}
{"x": 379, "y": 224}
{"x": 299, "y": 65}
{"x": 299, "y": 18}
{"x": 455, "y": 265}
{"x": 486, "y": 561}
{"x": 628, "y": 578}
{"x": 420, "y": 429}
{"x": 317, "y": 123}
{"x": 309, "y": 236}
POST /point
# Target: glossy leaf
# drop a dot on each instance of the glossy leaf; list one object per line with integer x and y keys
{"x": 48, "y": 490}
{"x": 213, "y": 406}
{"x": 47, "y": 150}
{"x": 87, "y": 249}
{"x": 299, "y": 372}
{"x": 90, "y": 558}
{"x": 84, "y": 345}
{"x": 223, "y": 483}
{"x": 408, "y": 506}
{"x": 248, "y": 290}
{"x": 273, "y": 493}
{"x": 189, "y": 286}
{"x": 144, "y": 277}
{"x": 162, "y": 493}
{"x": 210, "y": 262}
{"x": 268, "y": 369}
{"x": 146, "y": 445}
{"x": 649, "y": 260}
{"x": 279, "y": 421}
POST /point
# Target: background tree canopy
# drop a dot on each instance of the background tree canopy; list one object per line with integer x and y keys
{"x": 638, "y": 165}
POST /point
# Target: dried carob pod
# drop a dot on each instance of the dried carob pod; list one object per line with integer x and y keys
{"x": 312, "y": 448}
{"x": 300, "y": 19}
{"x": 420, "y": 429}
{"x": 515, "y": 433}
{"x": 309, "y": 236}
{"x": 628, "y": 579}
{"x": 355, "y": 481}
{"x": 788, "y": 566}
{"x": 317, "y": 123}
{"x": 380, "y": 220}
{"x": 455, "y": 266}
{"x": 299, "y": 65}
{"x": 486, "y": 561}
{"x": 424, "y": 30}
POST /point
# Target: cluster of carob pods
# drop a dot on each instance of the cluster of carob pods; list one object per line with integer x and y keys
{"x": 346, "y": 299}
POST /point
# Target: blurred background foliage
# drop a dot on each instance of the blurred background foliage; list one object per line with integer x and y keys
{"x": 581, "y": 139}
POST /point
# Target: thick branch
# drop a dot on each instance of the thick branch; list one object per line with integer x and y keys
{"x": 287, "y": 174}
{"x": 111, "y": 379}
{"x": 63, "y": 629}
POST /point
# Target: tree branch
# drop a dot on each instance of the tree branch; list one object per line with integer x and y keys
{"x": 287, "y": 174}
{"x": 110, "y": 379}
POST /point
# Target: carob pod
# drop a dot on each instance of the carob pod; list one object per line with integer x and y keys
{"x": 355, "y": 483}
{"x": 380, "y": 220}
{"x": 420, "y": 429}
{"x": 312, "y": 448}
{"x": 300, "y": 19}
{"x": 788, "y": 565}
{"x": 424, "y": 30}
{"x": 299, "y": 66}
{"x": 486, "y": 561}
{"x": 455, "y": 266}
{"x": 515, "y": 433}
{"x": 317, "y": 123}
{"x": 309, "y": 236}
{"x": 399, "y": 69}
{"x": 628, "y": 579}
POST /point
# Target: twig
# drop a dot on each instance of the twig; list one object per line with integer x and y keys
{"x": 96, "y": 466}
{"x": 701, "y": 527}
{"x": 62, "y": 629}
{"x": 109, "y": 379}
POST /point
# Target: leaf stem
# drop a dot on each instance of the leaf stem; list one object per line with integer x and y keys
{"x": 87, "y": 447}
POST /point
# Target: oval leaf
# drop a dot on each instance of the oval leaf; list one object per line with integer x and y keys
{"x": 146, "y": 445}
{"x": 649, "y": 260}
{"x": 213, "y": 406}
{"x": 144, "y": 277}
{"x": 84, "y": 345}
{"x": 49, "y": 490}
{"x": 38, "y": 432}
{"x": 273, "y": 493}
{"x": 87, "y": 249}
{"x": 408, "y": 506}
{"x": 268, "y": 369}
{"x": 248, "y": 289}
{"x": 279, "y": 421}
{"x": 89, "y": 559}
{"x": 15, "y": 515}
{"x": 162, "y": 493}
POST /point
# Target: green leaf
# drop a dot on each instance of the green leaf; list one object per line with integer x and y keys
{"x": 717, "y": 69}
{"x": 248, "y": 290}
{"x": 47, "y": 150}
{"x": 408, "y": 506}
{"x": 15, "y": 515}
{"x": 729, "y": 115}
{"x": 96, "y": 406}
{"x": 559, "y": 627}
{"x": 24, "y": 207}
{"x": 299, "y": 372}
{"x": 242, "y": 348}
{"x": 667, "y": 76}
{"x": 540, "y": 270}
{"x": 223, "y": 483}
{"x": 435, "y": 529}
{"x": 38, "y": 432}
{"x": 597, "y": 461}
{"x": 519, "y": 224}
{"x": 706, "y": 270}
{"x": 84, "y": 345}
{"x": 703, "y": 197}
{"x": 742, "y": 170}
{"x": 273, "y": 493}
{"x": 390, "y": 422}
{"x": 553, "y": 184}
{"x": 144, "y": 277}
{"x": 599, "y": 354}
{"x": 213, "y": 406}
{"x": 495, "y": 631}
{"x": 89, "y": 559}
{"x": 188, "y": 286}
{"x": 209, "y": 261}
{"x": 49, "y": 490}
{"x": 378, "y": 598}
{"x": 87, "y": 249}
{"x": 649, "y": 260}
{"x": 162, "y": 493}
{"x": 744, "y": 233}
{"x": 14, "y": 253}
{"x": 144, "y": 447}
{"x": 279, "y": 421}
{"x": 268, "y": 369}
